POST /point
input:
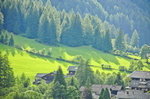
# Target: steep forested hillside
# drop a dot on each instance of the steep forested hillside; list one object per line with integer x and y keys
{"x": 43, "y": 22}
{"x": 128, "y": 15}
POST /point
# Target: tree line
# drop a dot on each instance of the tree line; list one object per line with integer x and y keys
{"x": 42, "y": 22}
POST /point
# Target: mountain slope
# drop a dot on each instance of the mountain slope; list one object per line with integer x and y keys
{"x": 128, "y": 15}
{"x": 22, "y": 61}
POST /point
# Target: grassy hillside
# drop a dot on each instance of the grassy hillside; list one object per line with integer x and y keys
{"x": 22, "y": 61}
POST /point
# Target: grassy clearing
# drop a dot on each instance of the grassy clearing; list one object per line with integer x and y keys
{"x": 22, "y": 61}
{"x": 69, "y": 53}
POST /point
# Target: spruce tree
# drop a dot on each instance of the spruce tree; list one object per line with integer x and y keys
{"x": 101, "y": 96}
{"x": 47, "y": 30}
{"x": 119, "y": 42}
{"x": 106, "y": 94}
{"x": 44, "y": 30}
{"x": 73, "y": 35}
{"x": 60, "y": 77}
{"x": 1, "y": 21}
{"x": 144, "y": 51}
{"x": 58, "y": 91}
{"x": 65, "y": 35}
{"x": 53, "y": 32}
{"x": 119, "y": 80}
{"x": 135, "y": 39}
{"x": 11, "y": 41}
{"x": 107, "y": 42}
{"x": 6, "y": 74}
{"x": 81, "y": 73}
{"x": 2, "y": 39}
{"x": 98, "y": 39}
{"x": 84, "y": 73}
{"x": 88, "y": 31}
{"x": 72, "y": 82}
{"x": 32, "y": 18}
{"x": 6, "y": 39}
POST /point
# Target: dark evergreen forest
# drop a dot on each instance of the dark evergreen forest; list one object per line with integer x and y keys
{"x": 106, "y": 25}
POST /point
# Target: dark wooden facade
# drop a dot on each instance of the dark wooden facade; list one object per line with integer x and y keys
{"x": 48, "y": 77}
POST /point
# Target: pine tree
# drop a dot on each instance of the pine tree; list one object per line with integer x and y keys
{"x": 101, "y": 96}
{"x": 53, "y": 32}
{"x": 1, "y": 21}
{"x": 98, "y": 39}
{"x": 43, "y": 33}
{"x": 84, "y": 73}
{"x": 6, "y": 39}
{"x": 106, "y": 94}
{"x": 58, "y": 91}
{"x": 88, "y": 82}
{"x": 47, "y": 30}
{"x": 73, "y": 35}
{"x": 107, "y": 42}
{"x": 72, "y": 82}
{"x": 119, "y": 42}
{"x": 88, "y": 31}
{"x": 2, "y": 39}
{"x": 60, "y": 77}
{"x": 135, "y": 39}
{"x": 6, "y": 74}
{"x": 32, "y": 20}
{"x": 140, "y": 65}
{"x": 65, "y": 30}
{"x": 11, "y": 41}
{"x": 119, "y": 80}
{"x": 144, "y": 51}
{"x": 81, "y": 73}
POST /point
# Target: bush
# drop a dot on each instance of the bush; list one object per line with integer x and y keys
{"x": 122, "y": 68}
{"x": 105, "y": 66}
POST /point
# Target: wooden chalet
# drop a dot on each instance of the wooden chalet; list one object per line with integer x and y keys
{"x": 140, "y": 80}
{"x": 133, "y": 94}
{"x": 48, "y": 77}
{"x": 138, "y": 88}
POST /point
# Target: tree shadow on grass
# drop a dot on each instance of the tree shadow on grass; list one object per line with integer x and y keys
{"x": 107, "y": 57}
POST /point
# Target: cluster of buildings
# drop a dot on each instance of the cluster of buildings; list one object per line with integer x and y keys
{"x": 49, "y": 77}
{"x": 139, "y": 87}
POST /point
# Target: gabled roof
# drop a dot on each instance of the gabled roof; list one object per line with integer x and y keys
{"x": 97, "y": 88}
{"x": 140, "y": 74}
{"x": 133, "y": 94}
{"x": 40, "y": 75}
{"x": 72, "y": 68}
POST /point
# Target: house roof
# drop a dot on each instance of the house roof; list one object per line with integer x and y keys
{"x": 97, "y": 88}
{"x": 132, "y": 94}
{"x": 40, "y": 75}
{"x": 72, "y": 68}
{"x": 140, "y": 74}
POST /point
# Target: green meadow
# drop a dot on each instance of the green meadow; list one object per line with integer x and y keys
{"x": 22, "y": 61}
